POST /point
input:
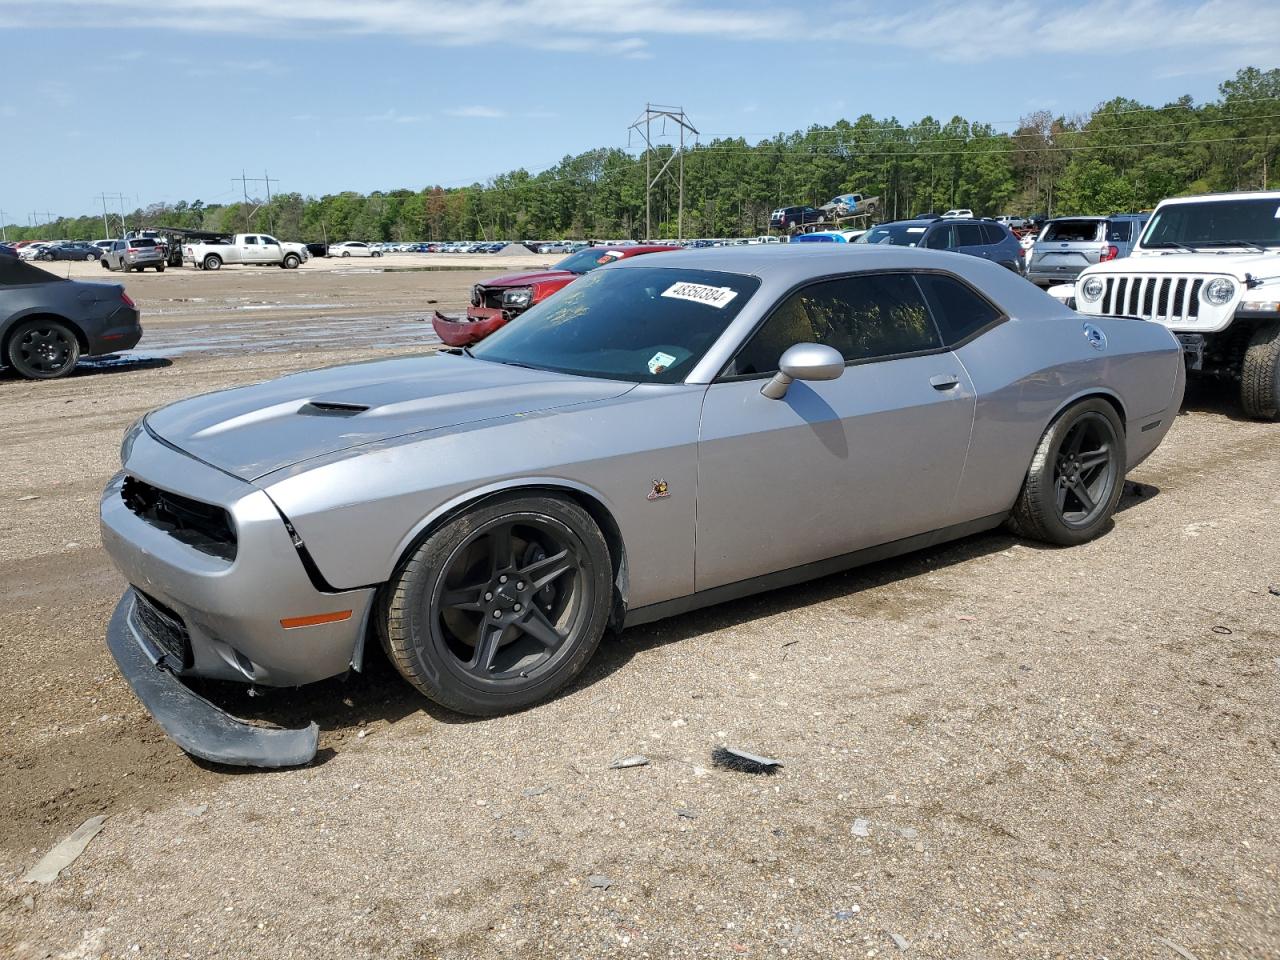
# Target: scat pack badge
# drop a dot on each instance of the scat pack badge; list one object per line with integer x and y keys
{"x": 659, "y": 490}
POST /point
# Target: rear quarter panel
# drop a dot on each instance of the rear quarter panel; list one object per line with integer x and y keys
{"x": 1026, "y": 372}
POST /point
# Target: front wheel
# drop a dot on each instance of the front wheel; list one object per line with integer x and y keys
{"x": 1260, "y": 374}
{"x": 1076, "y": 477}
{"x": 501, "y": 607}
{"x": 43, "y": 349}
{"x": 291, "y": 262}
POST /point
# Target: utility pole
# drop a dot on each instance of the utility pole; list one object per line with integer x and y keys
{"x": 643, "y": 126}
{"x": 244, "y": 189}
{"x": 4, "y": 237}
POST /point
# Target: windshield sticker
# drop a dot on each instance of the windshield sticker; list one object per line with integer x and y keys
{"x": 718, "y": 297}
{"x": 609, "y": 256}
{"x": 916, "y": 229}
{"x": 659, "y": 362}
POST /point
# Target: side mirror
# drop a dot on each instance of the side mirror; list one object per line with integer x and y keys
{"x": 804, "y": 361}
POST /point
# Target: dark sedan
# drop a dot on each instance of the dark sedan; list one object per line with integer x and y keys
{"x": 78, "y": 250}
{"x": 48, "y": 323}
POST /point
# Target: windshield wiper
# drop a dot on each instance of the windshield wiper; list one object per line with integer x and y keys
{"x": 1234, "y": 243}
{"x": 1171, "y": 243}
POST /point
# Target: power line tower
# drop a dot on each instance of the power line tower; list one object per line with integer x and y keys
{"x": 106, "y": 222}
{"x": 643, "y": 126}
{"x": 244, "y": 182}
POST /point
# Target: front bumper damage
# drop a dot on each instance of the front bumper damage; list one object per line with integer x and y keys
{"x": 192, "y": 722}
{"x": 480, "y": 322}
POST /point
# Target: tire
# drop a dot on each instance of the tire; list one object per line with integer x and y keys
{"x": 105, "y": 265}
{"x": 476, "y": 656}
{"x": 213, "y": 262}
{"x": 1260, "y": 374}
{"x": 88, "y": 257}
{"x": 160, "y": 268}
{"x": 1043, "y": 510}
{"x": 291, "y": 262}
{"x": 346, "y": 253}
{"x": 42, "y": 349}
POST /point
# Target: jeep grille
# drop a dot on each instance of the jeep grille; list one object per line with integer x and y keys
{"x": 1165, "y": 299}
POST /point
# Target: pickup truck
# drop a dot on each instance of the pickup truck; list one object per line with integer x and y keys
{"x": 244, "y": 248}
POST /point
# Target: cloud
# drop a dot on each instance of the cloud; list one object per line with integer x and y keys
{"x": 973, "y": 31}
{"x": 605, "y": 27}
{"x": 478, "y": 112}
{"x": 393, "y": 115}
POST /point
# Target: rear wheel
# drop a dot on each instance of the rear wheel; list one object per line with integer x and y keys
{"x": 90, "y": 256}
{"x": 346, "y": 253}
{"x": 1260, "y": 374}
{"x": 212, "y": 262}
{"x": 501, "y": 607}
{"x": 1075, "y": 478}
{"x": 43, "y": 349}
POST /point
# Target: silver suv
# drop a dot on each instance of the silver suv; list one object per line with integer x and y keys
{"x": 1068, "y": 245}
{"x": 136, "y": 254}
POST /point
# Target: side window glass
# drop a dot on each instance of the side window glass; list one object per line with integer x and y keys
{"x": 864, "y": 317}
{"x": 991, "y": 233}
{"x": 968, "y": 235}
{"x": 939, "y": 238}
{"x": 1118, "y": 231}
{"x": 958, "y": 310}
{"x": 251, "y": 241}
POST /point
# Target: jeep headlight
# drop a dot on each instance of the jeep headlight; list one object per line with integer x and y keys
{"x": 517, "y": 298}
{"x": 1219, "y": 291}
{"x": 130, "y": 435}
{"x": 1091, "y": 289}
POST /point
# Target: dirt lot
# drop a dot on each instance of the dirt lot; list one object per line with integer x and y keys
{"x": 992, "y": 750}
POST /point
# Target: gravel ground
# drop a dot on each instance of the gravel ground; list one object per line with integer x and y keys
{"x": 990, "y": 750}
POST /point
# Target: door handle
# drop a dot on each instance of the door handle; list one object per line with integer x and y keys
{"x": 944, "y": 381}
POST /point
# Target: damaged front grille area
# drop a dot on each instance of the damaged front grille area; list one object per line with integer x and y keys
{"x": 203, "y": 526}
{"x": 490, "y": 297}
{"x": 164, "y": 628}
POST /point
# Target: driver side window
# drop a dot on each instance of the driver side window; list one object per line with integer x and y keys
{"x": 867, "y": 317}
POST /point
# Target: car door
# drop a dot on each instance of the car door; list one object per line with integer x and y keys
{"x": 835, "y": 466}
{"x": 271, "y": 250}
{"x": 969, "y": 240}
{"x": 250, "y": 249}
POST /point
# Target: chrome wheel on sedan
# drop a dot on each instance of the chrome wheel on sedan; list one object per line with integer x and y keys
{"x": 502, "y": 606}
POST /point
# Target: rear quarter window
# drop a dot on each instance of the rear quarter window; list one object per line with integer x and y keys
{"x": 1120, "y": 231}
{"x": 958, "y": 310}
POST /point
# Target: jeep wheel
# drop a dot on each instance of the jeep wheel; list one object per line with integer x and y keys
{"x": 1076, "y": 477}
{"x": 1260, "y": 374}
{"x": 502, "y": 607}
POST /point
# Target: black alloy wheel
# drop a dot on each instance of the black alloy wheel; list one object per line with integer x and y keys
{"x": 501, "y": 607}
{"x": 43, "y": 349}
{"x": 1075, "y": 478}
{"x": 1085, "y": 471}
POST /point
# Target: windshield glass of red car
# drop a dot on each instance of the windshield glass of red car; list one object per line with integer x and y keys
{"x": 588, "y": 259}
{"x": 643, "y": 324}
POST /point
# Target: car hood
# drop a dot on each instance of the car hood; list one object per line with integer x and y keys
{"x": 250, "y": 432}
{"x": 1261, "y": 266}
{"x": 529, "y": 279}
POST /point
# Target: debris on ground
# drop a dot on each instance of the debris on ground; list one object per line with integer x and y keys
{"x": 861, "y": 828}
{"x": 898, "y": 941}
{"x": 1222, "y": 631}
{"x": 731, "y": 758}
{"x": 1179, "y": 950}
{"x": 535, "y": 791}
{"x": 849, "y": 913}
{"x": 686, "y": 813}
{"x": 598, "y": 881}
{"x": 65, "y": 853}
{"x": 1274, "y": 591}
{"x": 638, "y": 760}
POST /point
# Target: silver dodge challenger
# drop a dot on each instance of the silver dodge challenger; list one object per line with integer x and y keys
{"x": 668, "y": 432}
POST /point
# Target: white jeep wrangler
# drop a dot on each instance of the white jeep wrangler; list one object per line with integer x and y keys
{"x": 1208, "y": 268}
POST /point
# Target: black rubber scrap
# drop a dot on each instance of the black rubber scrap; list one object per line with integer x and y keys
{"x": 731, "y": 758}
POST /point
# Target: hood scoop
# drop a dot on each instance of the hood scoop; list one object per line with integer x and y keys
{"x": 331, "y": 408}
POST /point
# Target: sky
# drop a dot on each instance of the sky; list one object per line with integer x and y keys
{"x": 170, "y": 101}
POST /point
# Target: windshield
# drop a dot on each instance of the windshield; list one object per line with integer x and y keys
{"x": 898, "y": 234}
{"x": 586, "y": 260}
{"x": 1218, "y": 223}
{"x": 643, "y": 324}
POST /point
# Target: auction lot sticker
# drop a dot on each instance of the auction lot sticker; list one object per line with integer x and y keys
{"x": 717, "y": 297}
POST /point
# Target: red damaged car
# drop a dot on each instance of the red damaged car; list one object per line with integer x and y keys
{"x": 496, "y": 301}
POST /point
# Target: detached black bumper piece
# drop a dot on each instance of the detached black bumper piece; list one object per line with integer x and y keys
{"x": 191, "y": 721}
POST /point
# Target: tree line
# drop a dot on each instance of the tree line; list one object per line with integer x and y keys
{"x": 1123, "y": 156}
